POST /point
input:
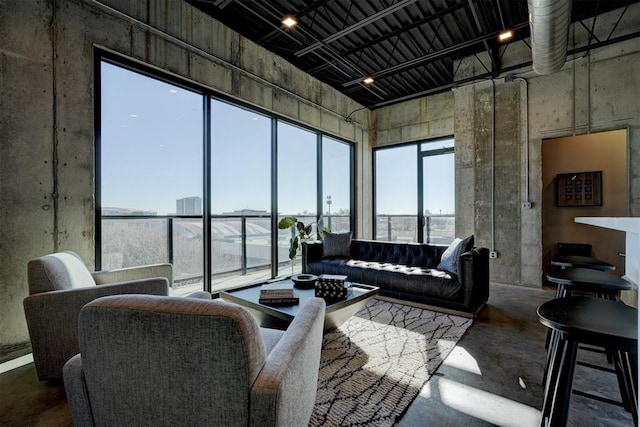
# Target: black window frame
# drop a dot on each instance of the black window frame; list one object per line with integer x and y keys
{"x": 420, "y": 155}
{"x": 209, "y": 94}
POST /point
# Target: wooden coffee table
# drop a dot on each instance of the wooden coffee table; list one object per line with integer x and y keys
{"x": 337, "y": 312}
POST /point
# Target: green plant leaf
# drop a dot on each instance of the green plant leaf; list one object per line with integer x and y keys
{"x": 287, "y": 222}
{"x": 293, "y": 247}
{"x": 308, "y": 229}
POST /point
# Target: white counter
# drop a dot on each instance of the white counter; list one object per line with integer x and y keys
{"x": 631, "y": 226}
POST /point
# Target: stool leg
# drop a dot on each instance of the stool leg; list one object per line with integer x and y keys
{"x": 561, "y": 292}
{"x": 564, "y": 384}
{"x": 553, "y": 344}
{"x": 554, "y": 357}
{"x": 626, "y": 369}
{"x": 620, "y": 365}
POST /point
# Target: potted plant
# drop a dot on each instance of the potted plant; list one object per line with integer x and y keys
{"x": 303, "y": 233}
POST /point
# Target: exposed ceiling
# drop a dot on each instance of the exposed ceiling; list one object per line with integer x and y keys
{"x": 408, "y": 46}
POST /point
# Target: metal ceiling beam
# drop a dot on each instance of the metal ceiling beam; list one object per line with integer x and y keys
{"x": 394, "y": 33}
{"x": 368, "y": 20}
{"x": 333, "y": 54}
{"x": 491, "y": 73}
{"x": 299, "y": 14}
{"x": 481, "y": 30}
{"x": 433, "y": 56}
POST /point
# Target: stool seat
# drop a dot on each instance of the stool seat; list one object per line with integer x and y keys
{"x": 587, "y": 279}
{"x": 593, "y": 321}
{"x": 597, "y": 322}
{"x": 569, "y": 261}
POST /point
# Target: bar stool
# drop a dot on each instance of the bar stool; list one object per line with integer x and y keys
{"x": 579, "y": 261}
{"x": 592, "y": 321}
{"x": 601, "y": 284}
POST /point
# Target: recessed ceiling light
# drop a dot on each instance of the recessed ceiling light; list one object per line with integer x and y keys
{"x": 173, "y": 91}
{"x": 289, "y": 21}
{"x": 368, "y": 80}
{"x": 505, "y": 36}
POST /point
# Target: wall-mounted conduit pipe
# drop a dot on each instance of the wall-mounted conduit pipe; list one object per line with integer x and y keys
{"x": 549, "y": 24}
{"x": 526, "y": 137}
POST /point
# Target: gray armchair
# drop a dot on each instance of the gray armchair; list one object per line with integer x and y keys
{"x": 59, "y": 285}
{"x": 163, "y": 361}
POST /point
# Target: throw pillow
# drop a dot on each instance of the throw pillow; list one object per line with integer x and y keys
{"x": 336, "y": 244}
{"x": 449, "y": 259}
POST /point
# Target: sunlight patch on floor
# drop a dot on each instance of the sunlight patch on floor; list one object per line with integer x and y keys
{"x": 460, "y": 358}
{"x": 486, "y": 406}
{"x": 16, "y": 363}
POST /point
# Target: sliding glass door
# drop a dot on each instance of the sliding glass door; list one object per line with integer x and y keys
{"x": 438, "y": 191}
{"x": 415, "y": 192}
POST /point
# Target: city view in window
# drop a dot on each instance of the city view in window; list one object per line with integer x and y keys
{"x": 152, "y": 148}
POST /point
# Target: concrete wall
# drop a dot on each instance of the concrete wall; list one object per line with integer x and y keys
{"x": 415, "y": 120}
{"x": 499, "y": 156}
{"x": 46, "y": 119}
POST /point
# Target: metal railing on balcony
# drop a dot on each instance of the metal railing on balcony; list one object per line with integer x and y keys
{"x": 439, "y": 229}
{"x": 241, "y": 244}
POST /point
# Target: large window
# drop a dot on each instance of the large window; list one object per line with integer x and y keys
{"x": 240, "y": 191}
{"x": 188, "y": 178}
{"x": 337, "y": 172}
{"x": 150, "y": 157}
{"x": 297, "y": 182}
{"x": 415, "y": 192}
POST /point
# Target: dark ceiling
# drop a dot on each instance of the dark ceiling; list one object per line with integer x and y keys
{"x": 408, "y": 46}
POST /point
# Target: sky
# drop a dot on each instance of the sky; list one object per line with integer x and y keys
{"x": 151, "y": 155}
{"x": 396, "y": 180}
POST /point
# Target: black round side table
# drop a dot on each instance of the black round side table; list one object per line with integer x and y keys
{"x": 594, "y": 321}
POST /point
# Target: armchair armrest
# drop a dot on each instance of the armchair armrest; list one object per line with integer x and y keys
{"x": 473, "y": 274}
{"x": 284, "y": 392}
{"x": 199, "y": 295}
{"x": 134, "y": 273}
{"x": 46, "y": 311}
{"x": 77, "y": 395}
{"x": 311, "y": 251}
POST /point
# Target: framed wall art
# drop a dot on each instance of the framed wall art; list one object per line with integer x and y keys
{"x": 579, "y": 189}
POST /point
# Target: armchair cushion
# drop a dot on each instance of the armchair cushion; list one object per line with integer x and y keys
{"x": 62, "y": 270}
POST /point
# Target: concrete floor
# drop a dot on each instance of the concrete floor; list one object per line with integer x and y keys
{"x": 492, "y": 377}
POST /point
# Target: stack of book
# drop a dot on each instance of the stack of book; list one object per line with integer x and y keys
{"x": 278, "y": 294}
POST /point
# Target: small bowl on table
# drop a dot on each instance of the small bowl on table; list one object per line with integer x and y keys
{"x": 304, "y": 281}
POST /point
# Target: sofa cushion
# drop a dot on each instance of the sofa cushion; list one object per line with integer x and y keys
{"x": 336, "y": 244}
{"x": 449, "y": 260}
{"x": 395, "y": 278}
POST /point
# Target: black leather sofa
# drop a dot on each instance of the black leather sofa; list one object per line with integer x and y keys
{"x": 408, "y": 271}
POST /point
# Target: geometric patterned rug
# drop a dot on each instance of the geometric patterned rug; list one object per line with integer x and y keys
{"x": 376, "y": 363}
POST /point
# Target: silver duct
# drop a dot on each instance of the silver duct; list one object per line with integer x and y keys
{"x": 549, "y": 24}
